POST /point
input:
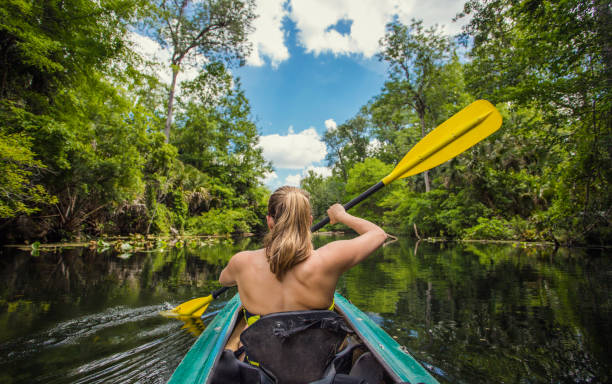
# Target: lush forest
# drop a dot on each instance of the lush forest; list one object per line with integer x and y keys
{"x": 547, "y": 66}
{"x": 93, "y": 143}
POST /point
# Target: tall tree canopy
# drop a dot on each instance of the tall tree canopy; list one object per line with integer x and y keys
{"x": 415, "y": 55}
{"x": 83, "y": 142}
{"x": 215, "y": 29}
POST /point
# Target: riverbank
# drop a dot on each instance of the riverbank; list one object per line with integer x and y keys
{"x": 139, "y": 243}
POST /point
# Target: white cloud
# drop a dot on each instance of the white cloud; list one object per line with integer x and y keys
{"x": 293, "y": 151}
{"x": 268, "y": 38}
{"x": 293, "y": 180}
{"x": 315, "y": 18}
{"x": 270, "y": 178}
{"x": 314, "y": 21}
{"x": 322, "y": 171}
{"x": 330, "y": 124}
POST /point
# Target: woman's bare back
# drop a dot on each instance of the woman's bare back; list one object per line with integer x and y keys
{"x": 308, "y": 285}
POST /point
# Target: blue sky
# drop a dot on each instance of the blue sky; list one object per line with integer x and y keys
{"x": 301, "y": 94}
{"x": 313, "y": 66}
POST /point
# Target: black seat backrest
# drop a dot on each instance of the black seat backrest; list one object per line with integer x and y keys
{"x": 295, "y": 347}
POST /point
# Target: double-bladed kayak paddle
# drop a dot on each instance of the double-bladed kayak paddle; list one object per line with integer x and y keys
{"x": 462, "y": 131}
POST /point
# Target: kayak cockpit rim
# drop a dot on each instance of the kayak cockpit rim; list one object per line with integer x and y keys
{"x": 202, "y": 361}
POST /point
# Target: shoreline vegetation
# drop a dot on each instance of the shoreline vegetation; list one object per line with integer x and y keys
{"x": 93, "y": 144}
{"x": 127, "y": 245}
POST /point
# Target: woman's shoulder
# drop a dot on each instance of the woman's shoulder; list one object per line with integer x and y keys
{"x": 246, "y": 256}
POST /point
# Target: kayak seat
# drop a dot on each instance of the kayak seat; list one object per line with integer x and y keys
{"x": 343, "y": 361}
{"x": 295, "y": 347}
{"x": 354, "y": 365}
{"x": 230, "y": 370}
{"x": 367, "y": 369}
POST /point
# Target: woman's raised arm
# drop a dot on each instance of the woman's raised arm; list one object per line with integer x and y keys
{"x": 344, "y": 254}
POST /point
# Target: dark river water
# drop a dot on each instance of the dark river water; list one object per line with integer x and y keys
{"x": 471, "y": 313}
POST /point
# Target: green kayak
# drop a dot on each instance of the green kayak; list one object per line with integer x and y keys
{"x": 394, "y": 362}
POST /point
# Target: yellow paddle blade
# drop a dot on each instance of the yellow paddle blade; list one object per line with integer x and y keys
{"x": 466, "y": 128}
{"x": 200, "y": 311}
{"x": 189, "y": 307}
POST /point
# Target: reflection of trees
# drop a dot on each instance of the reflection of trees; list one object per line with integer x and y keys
{"x": 489, "y": 312}
{"x": 83, "y": 280}
{"x": 482, "y": 313}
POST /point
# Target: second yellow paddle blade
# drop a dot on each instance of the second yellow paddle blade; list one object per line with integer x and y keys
{"x": 191, "y": 306}
{"x": 466, "y": 128}
{"x": 200, "y": 311}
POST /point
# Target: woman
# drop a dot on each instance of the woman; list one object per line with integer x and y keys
{"x": 288, "y": 274}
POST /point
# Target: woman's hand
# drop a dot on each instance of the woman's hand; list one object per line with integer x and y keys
{"x": 335, "y": 213}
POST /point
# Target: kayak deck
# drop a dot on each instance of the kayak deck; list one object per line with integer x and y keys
{"x": 399, "y": 366}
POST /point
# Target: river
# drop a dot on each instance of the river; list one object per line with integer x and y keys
{"x": 471, "y": 313}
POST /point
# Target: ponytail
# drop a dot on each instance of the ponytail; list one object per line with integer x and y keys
{"x": 289, "y": 241}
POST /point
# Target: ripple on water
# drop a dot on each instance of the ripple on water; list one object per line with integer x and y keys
{"x": 119, "y": 345}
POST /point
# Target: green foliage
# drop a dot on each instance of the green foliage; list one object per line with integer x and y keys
{"x": 221, "y": 142}
{"x": 223, "y": 221}
{"x": 324, "y": 192}
{"x": 555, "y": 57}
{"x": 179, "y": 207}
{"x": 422, "y": 76}
{"x": 457, "y": 212}
{"x": 49, "y": 45}
{"x": 83, "y": 141}
{"x": 216, "y": 29}
{"x": 404, "y": 209}
{"x": 492, "y": 228}
{"x": 347, "y": 144}
{"x": 546, "y": 173}
{"x": 161, "y": 219}
{"x": 81, "y": 134}
{"x": 18, "y": 194}
{"x": 361, "y": 177}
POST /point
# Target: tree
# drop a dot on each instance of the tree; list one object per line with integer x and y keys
{"x": 56, "y": 97}
{"x": 361, "y": 177}
{"x": 47, "y": 46}
{"x": 324, "y": 192}
{"x": 220, "y": 141}
{"x": 347, "y": 144}
{"x": 18, "y": 194}
{"x": 555, "y": 57}
{"x": 415, "y": 56}
{"x": 216, "y": 29}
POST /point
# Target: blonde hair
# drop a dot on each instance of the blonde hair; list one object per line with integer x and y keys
{"x": 288, "y": 242}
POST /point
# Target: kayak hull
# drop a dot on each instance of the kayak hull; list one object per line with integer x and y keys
{"x": 197, "y": 365}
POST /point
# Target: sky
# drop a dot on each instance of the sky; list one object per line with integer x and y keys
{"x": 313, "y": 66}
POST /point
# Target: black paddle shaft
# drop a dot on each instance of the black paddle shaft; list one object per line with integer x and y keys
{"x": 321, "y": 223}
{"x": 350, "y": 204}
{"x": 219, "y": 291}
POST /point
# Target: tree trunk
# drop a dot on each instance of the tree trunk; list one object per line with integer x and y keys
{"x": 171, "y": 102}
{"x": 426, "y": 173}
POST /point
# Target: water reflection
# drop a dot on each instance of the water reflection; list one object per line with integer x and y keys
{"x": 490, "y": 313}
{"x": 470, "y": 313}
